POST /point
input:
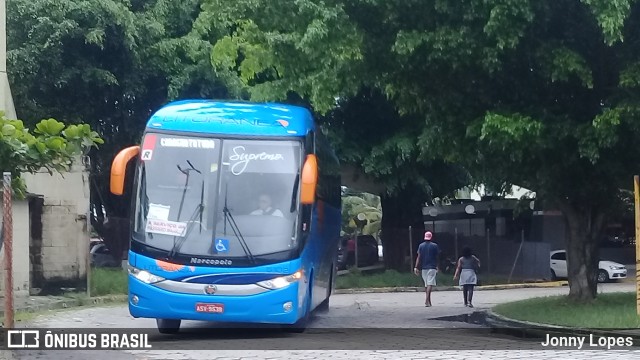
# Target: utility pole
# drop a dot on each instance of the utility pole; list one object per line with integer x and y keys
{"x": 6, "y": 105}
{"x": 636, "y": 186}
{"x": 7, "y": 225}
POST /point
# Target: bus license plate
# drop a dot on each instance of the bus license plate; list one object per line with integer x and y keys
{"x": 210, "y": 308}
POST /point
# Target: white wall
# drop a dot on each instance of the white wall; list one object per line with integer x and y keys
{"x": 65, "y": 234}
{"x": 21, "y": 238}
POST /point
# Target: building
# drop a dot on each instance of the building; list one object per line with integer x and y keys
{"x": 510, "y": 235}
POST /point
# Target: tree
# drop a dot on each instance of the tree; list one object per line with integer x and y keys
{"x": 51, "y": 145}
{"x": 109, "y": 63}
{"x": 388, "y": 156}
{"x": 542, "y": 94}
{"x": 370, "y": 136}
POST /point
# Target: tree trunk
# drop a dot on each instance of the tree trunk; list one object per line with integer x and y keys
{"x": 585, "y": 226}
{"x": 398, "y": 213}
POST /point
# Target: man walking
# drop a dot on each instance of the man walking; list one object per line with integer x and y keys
{"x": 427, "y": 263}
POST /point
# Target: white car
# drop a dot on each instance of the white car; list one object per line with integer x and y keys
{"x": 607, "y": 270}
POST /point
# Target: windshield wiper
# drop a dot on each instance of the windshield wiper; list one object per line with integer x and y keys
{"x": 234, "y": 228}
{"x": 177, "y": 243}
{"x": 186, "y": 183}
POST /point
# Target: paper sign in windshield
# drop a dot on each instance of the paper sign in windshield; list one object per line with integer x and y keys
{"x": 158, "y": 212}
{"x": 164, "y": 227}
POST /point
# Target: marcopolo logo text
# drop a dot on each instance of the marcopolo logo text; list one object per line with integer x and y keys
{"x": 211, "y": 261}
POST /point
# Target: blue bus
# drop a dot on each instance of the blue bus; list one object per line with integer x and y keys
{"x": 236, "y": 215}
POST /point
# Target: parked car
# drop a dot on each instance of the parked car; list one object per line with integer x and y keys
{"x": 101, "y": 256}
{"x": 368, "y": 251}
{"x": 607, "y": 270}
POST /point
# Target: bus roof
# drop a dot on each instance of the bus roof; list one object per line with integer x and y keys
{"x": 233, "y": 118}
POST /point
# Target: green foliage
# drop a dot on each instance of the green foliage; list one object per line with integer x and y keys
{"x": 259, "y": 45}
{"x": 107, "y": 63}
{"x": 52, "y": 145}
{"x": 361, "y": 203}
{"x": 561, "y": 63}
{"x": 515, "y": 92}
{"x": 630, "y": 76}
{"x": 508, "y": 21}
{"x": 611, "y": 16}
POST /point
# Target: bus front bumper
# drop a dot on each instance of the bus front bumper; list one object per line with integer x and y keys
{"x": 280, "y": 306}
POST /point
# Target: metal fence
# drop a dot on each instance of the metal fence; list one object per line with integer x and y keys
{"x": 500, "y": 257}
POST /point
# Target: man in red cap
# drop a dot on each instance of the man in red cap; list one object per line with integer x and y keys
{"x": 427, "y": 264}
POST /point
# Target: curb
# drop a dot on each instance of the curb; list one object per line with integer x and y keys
{"x": 71, "y": 302}
{"x": 548, "y": 284}
{"x": 533, "y": 329}
{"x": 448, "y": 288}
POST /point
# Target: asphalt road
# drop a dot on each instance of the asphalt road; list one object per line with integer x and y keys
{"x": 372, "y": 326}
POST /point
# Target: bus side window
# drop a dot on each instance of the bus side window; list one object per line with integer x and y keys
{"x": 329, "y": 173}
{"x": 309, "y": 143}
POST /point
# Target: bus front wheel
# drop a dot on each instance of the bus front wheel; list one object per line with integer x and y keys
{"x": 168, "y": 326}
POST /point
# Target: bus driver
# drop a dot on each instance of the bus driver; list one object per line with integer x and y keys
{"x": 264, "y": 203}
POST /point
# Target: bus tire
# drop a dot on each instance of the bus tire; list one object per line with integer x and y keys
{"x": 168, "y": 326}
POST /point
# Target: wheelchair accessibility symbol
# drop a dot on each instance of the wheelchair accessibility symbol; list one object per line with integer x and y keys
{"x": 222, "y": 245}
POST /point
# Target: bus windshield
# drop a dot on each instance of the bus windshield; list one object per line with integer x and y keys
{"x": 217, "y": 198}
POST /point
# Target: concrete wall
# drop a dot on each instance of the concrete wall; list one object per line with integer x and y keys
{"x": 65, "y": 231}
{"x": 21, "y": 235}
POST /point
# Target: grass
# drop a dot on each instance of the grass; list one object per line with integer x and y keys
{"x": 389, "y": 278}
{"x": 392, "y": 278}
{"x": 108, "y": 281}
{"x": 616, "y": 310}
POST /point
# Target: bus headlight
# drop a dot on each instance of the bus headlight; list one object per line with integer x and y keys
{"x": 144, "y": 276}
{"x": 282, "y": 281}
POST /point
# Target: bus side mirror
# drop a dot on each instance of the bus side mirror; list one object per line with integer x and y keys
{"x": 119, "y": 168}
{"x": 309, "y": 180}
